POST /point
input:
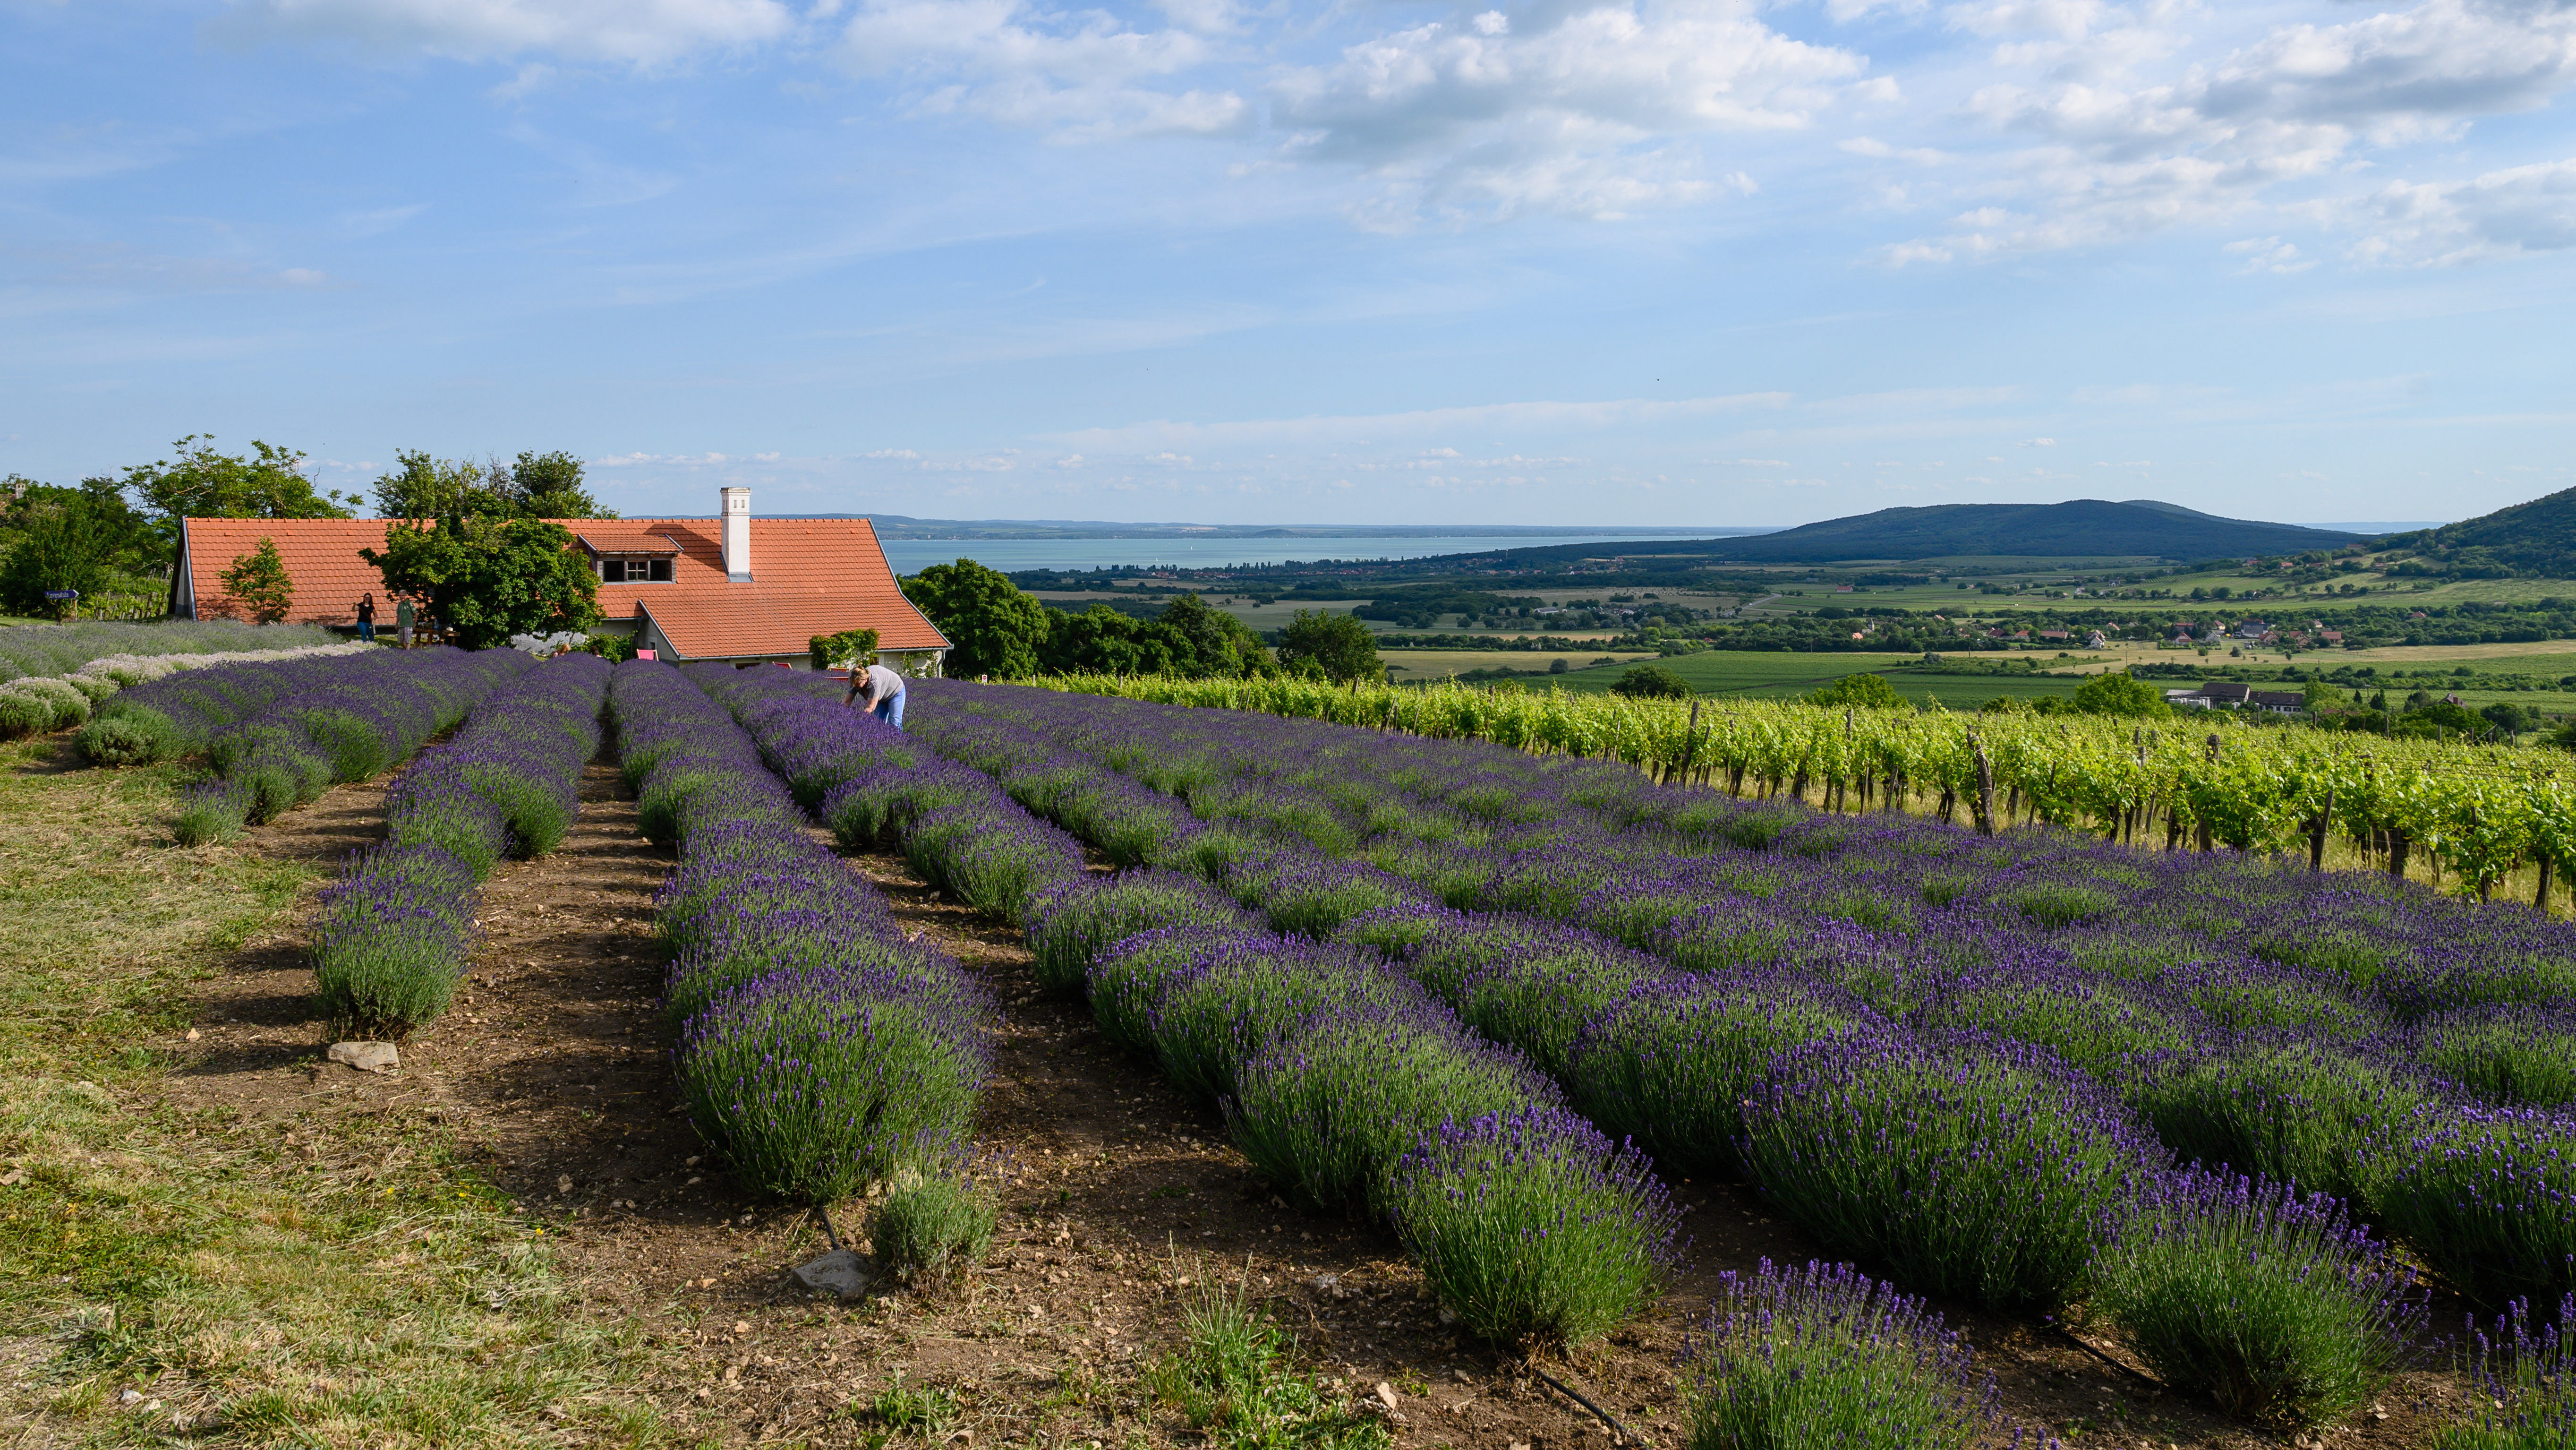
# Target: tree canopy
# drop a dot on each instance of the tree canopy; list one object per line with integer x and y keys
{"x": 68, "y": 538}
{"x": 992, "y": 628}
{"x": 490, "y": 578}
{"x": 1654, "y": 682}
{"x": 1186, "y": 638}
{"x": 266, "y": 483}
{"x": 2120, "y": 693}
{"x": 1868, "y": 691}
{"x": 1337, "y": 644}
{"x": 536, "y": 486}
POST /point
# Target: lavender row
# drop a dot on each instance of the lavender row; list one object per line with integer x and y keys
{"x": 395, "y": 931}
{"x": 306, "y": 724}
{"x": 2325, "y": 1038}
{"x": 1857, "y": 1075}
{"x": 1343, "y": 1081}
{"x": 819, "y": 1052}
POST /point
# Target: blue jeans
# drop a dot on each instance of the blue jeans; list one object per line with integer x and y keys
{"x": 367, "y": 630}
{"x": 890, "y": 710}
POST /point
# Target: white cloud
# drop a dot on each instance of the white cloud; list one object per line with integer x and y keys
{"x": 638, "y": 32}
{"x": 2117, "y": 158}
{"x": 2267, "y": 254}
{"x": 2522, "y": 209}
{"x": 1076, "y": 75}
{"x": 1581, "y": 112}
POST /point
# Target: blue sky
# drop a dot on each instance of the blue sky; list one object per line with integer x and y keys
{"x": 1577, "y": 261}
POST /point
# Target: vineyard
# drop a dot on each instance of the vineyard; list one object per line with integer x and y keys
{"x": 2469, "y": 816}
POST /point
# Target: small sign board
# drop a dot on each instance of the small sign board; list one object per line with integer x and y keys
{"x": 62, "y": 594}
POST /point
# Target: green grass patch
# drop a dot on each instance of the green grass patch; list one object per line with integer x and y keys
{"x": 284, "y": 1280}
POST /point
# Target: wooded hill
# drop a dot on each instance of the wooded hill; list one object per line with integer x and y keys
{"x": 2079, "y": 528}
{"x": 2535, "y": 539}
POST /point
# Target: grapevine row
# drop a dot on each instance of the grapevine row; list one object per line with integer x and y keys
{"x": 2476, "y": 812}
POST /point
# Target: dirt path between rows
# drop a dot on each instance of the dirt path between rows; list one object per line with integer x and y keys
{"x": 551, "y": 1077}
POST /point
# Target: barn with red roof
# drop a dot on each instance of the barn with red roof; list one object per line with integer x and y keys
{"x": 734, "y": 587}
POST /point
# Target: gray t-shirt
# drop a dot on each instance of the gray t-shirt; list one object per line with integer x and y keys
{"x": 879, "y": 685}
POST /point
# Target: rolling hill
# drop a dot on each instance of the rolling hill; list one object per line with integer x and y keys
{"x": 2537, "y": 538}
{"x": 2078, "y": 528}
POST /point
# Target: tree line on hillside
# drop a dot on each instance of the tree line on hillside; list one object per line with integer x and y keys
{"x": 996, "y": 629}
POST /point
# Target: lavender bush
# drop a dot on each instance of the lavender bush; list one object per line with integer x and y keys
{"x": 819, "y": 1051}
{"x": 2509, "y": 1054}
{"x": 2315, "y": 1311}
{"x": 1973, "y": 1167}
{"x": 1532, "y": 1227}
{"x": 2287, "y": 1109}
{"x": 1236, "y": 997}
{"x": 2488, "y": 1197}
{"x": 1671, "y": 1063}
{"x": 390, "y": 940}
{"x": 393, "y": 938}
{"x": 816, "y": 1084}
{"x": 2524, "y": 1366}
{"x": 1073, "y": 921}
{"x": 1326, "y": 1111}
{"x": 1788, "y": 1359}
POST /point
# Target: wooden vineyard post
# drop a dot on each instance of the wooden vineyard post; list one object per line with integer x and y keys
{"x": 1690, "y": 743}
{"x": 2317, "y": 840}
{"x": 2204, "y": 824}
{"x": 1985, "y": 786}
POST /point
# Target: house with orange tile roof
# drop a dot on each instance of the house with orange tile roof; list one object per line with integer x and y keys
{"x": 734, "y": 587}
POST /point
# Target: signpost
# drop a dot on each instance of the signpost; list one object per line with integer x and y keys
{"x": 62, "y": 594}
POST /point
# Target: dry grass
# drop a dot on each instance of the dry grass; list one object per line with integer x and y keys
{"x": 284, "y": 1281}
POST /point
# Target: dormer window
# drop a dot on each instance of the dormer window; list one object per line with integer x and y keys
{"x": 634, "y": 571}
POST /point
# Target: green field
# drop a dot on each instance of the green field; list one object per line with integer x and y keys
{"x": 1746, "y": 672}
{"x": 1413, "y": 666}
{"x": 1772, "y": 674}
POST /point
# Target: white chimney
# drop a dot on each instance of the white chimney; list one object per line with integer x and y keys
{"x": 737, "y": 535}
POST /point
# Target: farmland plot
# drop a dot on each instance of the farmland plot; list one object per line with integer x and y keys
{"x": 1760, "y": 990}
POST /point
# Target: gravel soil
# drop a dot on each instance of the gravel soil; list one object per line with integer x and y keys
{"x": 550, "y": 1077}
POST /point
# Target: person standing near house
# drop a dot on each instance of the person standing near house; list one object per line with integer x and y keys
{"x": 367, "y": 618}
{"x": 884, "y": 691}
{"x": 403, "y": 620}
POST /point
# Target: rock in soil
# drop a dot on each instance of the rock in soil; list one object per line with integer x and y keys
{"x": 367, "y": 1056}
{"x": 840, "y": 1272}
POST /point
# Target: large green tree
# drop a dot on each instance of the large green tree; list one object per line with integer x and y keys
{"x": 549, "y": 486}
{"x": 87, "y": 538}
{"x": 537, "y": 486}
{"x": 1337, "y": 644}
{"x": 55, "y": 544}
{"x": 2120, "y": 693}
{"x": 490, "y": 578}
{"x": 266, "y": 483}
{"x": 1185, "y": 638}
{"x": 992, "y": 628}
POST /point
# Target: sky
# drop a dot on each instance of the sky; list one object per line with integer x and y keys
{"x": 1582, "y": 262}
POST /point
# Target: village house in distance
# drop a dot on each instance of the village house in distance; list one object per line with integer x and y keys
{"x": 734, "y": 588}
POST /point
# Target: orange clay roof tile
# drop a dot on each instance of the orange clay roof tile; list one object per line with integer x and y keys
{"x": 809, "y": 577}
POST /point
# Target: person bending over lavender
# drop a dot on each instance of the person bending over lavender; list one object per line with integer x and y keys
{"x": 883, "y": 689}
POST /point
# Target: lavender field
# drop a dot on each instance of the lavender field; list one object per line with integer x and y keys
{"x": 2251, "y": 1121}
